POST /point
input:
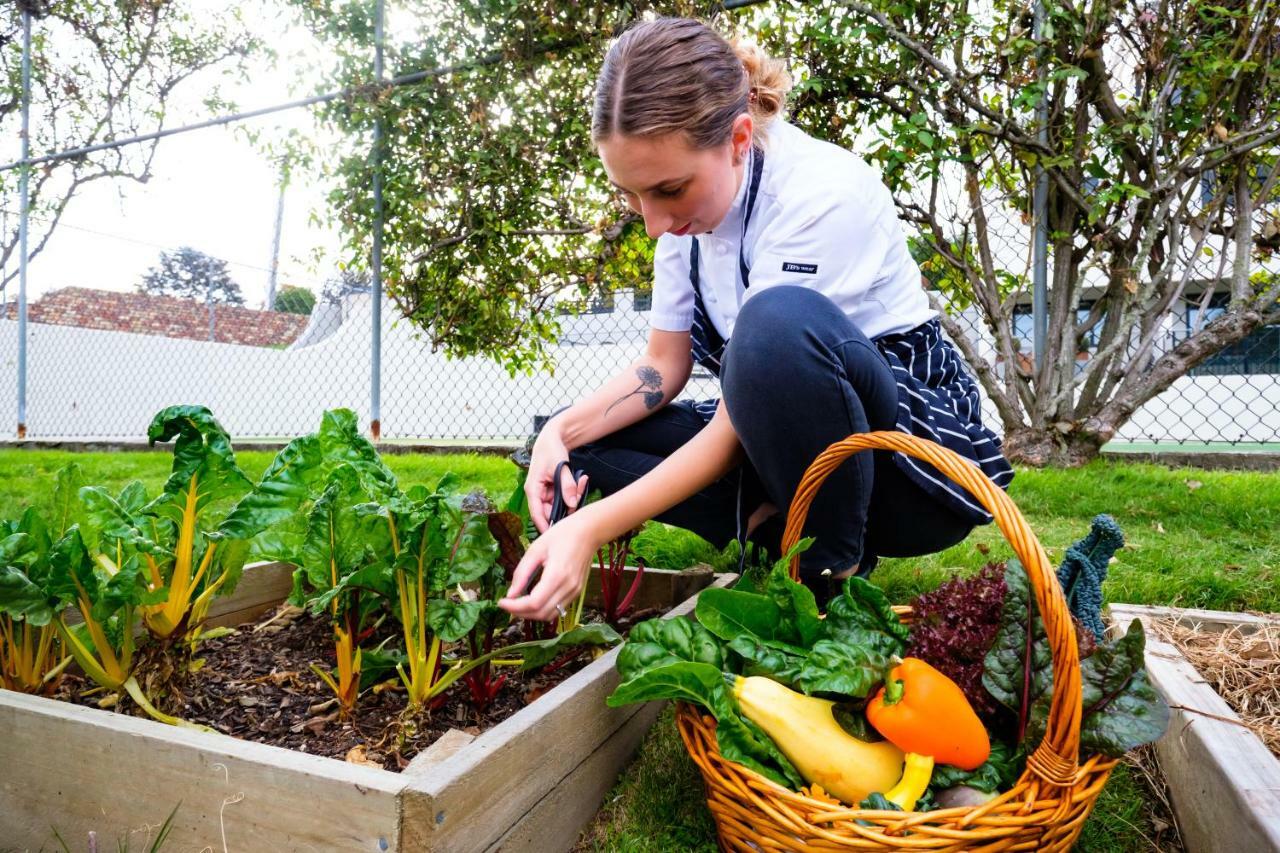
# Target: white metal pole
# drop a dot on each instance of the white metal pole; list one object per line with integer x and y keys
{"x": 275, "y": 241}
{"x": 375, "y": 379}
{"x": 24, "y": 203}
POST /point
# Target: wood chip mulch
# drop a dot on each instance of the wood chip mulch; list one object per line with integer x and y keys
{"x": 258, "y": 685}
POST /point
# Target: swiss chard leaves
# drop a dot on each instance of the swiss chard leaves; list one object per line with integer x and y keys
{"x": 661, "y": 641}
{"x": 1121, "y": 709}
{"x": 729, "y": 613}
{"x": 862, "y": 615}
{"x": 997, "y": 773}
{"x": 837, "y": 668}
{"x": 541, "y": 652}
{"x": 704, "y": 684}
{"x": 1018, "y": 670}
{"x": 777, "y": 633}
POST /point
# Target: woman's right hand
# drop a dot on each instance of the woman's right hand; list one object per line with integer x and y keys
{"x": 539, "y": 487}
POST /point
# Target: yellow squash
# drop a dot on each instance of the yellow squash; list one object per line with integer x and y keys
{"x": 807, "y": 733}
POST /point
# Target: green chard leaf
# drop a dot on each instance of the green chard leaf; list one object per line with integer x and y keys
{"x": 539, "y": 653}
{"x": 22, "y": 598}
{"x": 465, "y": 544}
{"x": 860, "y": 613}
{"x": 843, "y": 669}
{"x": 705, "y": 685}
{"x": 1018, "y": 670}
{"x": 1121, "y": 709}
{"x": 275, "y": 514}
{"x": 799, "y": 608}
{"x": 997, "y": 773}
{"x": 452, "y": 620}
{"x": 66, "y": 500}
{"x": 656, "y": 642}
{"x": 729, "y": 613}
{"x": 779, "y": 661}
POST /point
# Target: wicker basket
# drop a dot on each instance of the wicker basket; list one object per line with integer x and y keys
{"x": 1047, "y": 807}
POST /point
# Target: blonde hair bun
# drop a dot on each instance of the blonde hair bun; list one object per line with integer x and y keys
{"x": 769, "y": 80}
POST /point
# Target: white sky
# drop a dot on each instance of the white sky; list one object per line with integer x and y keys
{"x": 211, "y": 190}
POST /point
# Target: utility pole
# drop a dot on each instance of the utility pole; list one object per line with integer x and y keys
{"x": 275, "y": 240}
{"x": 24, "y": 204}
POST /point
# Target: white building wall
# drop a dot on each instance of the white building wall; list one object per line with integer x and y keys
{"x": 85, "y": 383}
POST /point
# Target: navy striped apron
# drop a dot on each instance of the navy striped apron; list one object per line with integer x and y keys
{"x": 937, "y": 398}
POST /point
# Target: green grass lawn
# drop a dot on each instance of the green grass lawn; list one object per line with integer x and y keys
{"x": 1195, "y": 538}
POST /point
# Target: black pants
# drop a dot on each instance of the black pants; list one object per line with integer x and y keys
{"x": 797, "y": 376}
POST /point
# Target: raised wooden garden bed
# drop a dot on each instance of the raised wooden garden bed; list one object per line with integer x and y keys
{"x": 1224, "y": 782}
{"x": 530, "y": 783}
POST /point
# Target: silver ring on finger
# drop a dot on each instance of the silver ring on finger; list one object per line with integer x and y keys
{"x": 560, "y": 609}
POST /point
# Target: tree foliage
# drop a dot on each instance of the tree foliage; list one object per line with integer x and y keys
{"x": 188, "y": 273}
{"x": 99, "y": 71}
{"x": 295, "y": 300}
{"x": 1159, "y": 152}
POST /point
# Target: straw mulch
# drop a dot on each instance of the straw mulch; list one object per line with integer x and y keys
{"x": 1244, "y": 668}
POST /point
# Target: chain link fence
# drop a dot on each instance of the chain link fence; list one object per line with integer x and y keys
{"x": 101, "y": 363}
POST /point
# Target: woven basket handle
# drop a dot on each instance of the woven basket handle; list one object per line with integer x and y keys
{"x": 1055, "y": 760}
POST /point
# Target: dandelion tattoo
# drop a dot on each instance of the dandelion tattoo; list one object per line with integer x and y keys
{"x": 650, "y": 386}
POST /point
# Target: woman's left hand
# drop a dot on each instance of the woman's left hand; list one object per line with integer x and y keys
{"x": 564, "y": 553}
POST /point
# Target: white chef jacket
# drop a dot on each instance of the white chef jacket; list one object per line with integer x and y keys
{"x": 823, "y": 219}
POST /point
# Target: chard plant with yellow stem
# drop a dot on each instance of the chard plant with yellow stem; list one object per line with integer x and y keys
{"x": 185, "y": 557}
{"x": 338, "y": 563}
{"x": 107, "y": 601}
{"x": 303, "y": 511}
{"x": 31, "y": 652}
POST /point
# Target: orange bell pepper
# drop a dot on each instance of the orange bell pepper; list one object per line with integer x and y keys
{"x": 920, "y": 710}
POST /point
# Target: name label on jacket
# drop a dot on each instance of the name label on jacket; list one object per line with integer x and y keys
{"x": 807, "y": 269}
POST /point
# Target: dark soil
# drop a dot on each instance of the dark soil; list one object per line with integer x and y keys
{"x": 257, "y": 684}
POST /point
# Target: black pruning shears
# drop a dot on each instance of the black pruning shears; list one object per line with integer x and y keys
{"x": 559, "y": 509}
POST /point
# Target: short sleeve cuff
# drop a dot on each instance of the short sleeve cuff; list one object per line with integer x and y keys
{"x": 680, "y": 321}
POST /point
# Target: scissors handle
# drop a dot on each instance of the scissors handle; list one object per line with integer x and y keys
{"x": 559, "y": 508}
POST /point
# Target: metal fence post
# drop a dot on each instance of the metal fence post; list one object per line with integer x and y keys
{"x": 375, "y": 381}
{"x": 24, "y": 191}
{"x": 1040, "y": 251}
{"x": 275, "y": 240}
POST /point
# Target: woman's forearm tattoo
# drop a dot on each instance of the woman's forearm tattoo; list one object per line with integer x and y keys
{"x": 650, "y": 386}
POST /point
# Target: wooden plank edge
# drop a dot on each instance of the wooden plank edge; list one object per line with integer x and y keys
{"x": 422, "y": 795}
{"x": 149, "y": 732}
{"x": 555, "y": 822}
{"x": 1223, "y": 779}
{"x": 1212, "y": 620}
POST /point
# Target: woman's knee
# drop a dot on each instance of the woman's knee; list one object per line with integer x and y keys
{"x": 776, "y": 318}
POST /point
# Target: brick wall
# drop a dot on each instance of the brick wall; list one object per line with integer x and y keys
{"x": 161, "y": 315}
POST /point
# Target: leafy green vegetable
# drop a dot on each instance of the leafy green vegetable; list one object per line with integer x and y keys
{"x": 704, "y": 684}
{"x": 1084, "y": 568}
{"x": 770, "y": 629}
{"x": 839, "y": 668}
{"x": 860, "y": 613}
{"x": 1121, "y": 710}
{"x": 657, "y": 642}
{"x": 537, "y": 653}
{"x": 777, "y": 633}
{"x": 730, "y": 613}
{"x": 996, "y": 774}
{"x": 1019, "y": 666}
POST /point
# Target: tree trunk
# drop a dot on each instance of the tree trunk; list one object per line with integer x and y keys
{"x": 1049, "y": 447}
